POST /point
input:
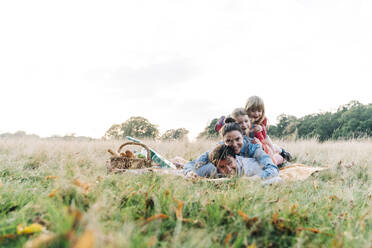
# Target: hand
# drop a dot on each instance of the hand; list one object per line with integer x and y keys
{"x": 256, "y": 141}
{"x": 258, "y": 128}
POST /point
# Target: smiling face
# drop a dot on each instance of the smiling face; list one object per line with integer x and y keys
{"x": 244, "y": 123}
{"x": 234, "y": 139}
{"x": 227, "y": 167}
{"x": 255, "y": 114}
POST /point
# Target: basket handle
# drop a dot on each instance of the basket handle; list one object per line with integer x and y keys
{"x": 139, "y": 144}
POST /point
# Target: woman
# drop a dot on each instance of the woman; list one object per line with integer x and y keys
{"x": 233, "y": 137}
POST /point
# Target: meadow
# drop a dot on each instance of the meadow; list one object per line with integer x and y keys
{"x": 56, "y": 193}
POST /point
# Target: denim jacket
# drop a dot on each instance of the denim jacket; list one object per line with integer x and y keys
{"x": 203, "y": 167}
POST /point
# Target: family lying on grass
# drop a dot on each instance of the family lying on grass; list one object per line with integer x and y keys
{"x": 246, "y": 149}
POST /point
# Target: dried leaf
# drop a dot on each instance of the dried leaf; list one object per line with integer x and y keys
{"x": 51, "y": 177}
{"x": 33, "y": 228}
{"x": 8, "y": 236}
{"x": 85, "y": 241}
{"x": 40, "y": 241}
{"x": 76, "y": 216}
{"x": 194, "y": 222}
{"x": 179, "y": 210}
{"x": 294, "y": 207}
{"x": 227, "y": 239}
{"x": 249, "y": 222}
{"x": 280, "y": 224}
{"x": 155, "y": 217}
{"x": 85, "y": 186}
{"x": 52, "y": 193}
{"x": 310, "y": 229}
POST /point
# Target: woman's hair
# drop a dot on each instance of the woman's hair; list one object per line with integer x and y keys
{"x": 238, "y": 112}
{"x": 220, "y": 153}
{"x": 255, "y": 103}
{"x": 230, "y": 125}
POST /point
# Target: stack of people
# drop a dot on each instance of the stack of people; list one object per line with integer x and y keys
{"x": 245, "y": 150}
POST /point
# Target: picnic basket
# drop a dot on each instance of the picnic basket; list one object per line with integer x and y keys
{"x": 120, "y": 163}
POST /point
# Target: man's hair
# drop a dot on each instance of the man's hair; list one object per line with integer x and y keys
{"x": 220, "y": 152}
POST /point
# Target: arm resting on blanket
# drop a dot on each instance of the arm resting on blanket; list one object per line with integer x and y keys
{"x": 196, "y": 163}
{"x": 201, "y": 166}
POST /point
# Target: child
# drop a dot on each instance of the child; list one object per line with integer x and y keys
{"x": 240, "y": 117}
{"x": 255, "y": 109}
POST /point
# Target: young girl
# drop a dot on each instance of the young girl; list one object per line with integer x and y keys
{"x": 255, "y": 109}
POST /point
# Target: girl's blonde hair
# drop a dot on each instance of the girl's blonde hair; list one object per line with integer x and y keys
{"x": 238, "y": 112}
{"x": 255, "y": 103}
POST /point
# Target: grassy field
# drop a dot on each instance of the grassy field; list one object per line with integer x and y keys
{"x": 63, "y": 186}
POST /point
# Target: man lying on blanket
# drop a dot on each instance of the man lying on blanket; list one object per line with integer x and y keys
{"x": 227, "y": 163}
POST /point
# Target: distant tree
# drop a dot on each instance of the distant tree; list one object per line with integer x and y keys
{"x": 136, "y": 126}
{"x": 287, "y": 125}
{"x": 18, "y": 134}
{"x": 209, "y": 131}
{"x": 114, "y": 132}
{"x": 175, "y": 134}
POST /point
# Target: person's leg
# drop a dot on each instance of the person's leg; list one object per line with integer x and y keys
{"x": 276, "y": 149}
{"x": 286, "y": 155}
{"x": 277, "y": 159}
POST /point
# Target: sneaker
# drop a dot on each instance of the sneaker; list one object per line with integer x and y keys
{"x": 286, "y": 155}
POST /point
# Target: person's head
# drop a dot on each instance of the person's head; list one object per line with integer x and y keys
{"x": 223, "y": 157}
{"x": 241, "y": 117}
{"x": 255, "y": 109}
{"x": 232, "y": 135}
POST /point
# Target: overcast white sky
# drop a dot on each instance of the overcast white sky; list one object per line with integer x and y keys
{"x": 81, "y": 66}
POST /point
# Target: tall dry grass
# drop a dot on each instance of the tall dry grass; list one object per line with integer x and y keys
{"x": 333, "y": 208}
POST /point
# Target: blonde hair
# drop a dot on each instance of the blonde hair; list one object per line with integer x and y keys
{"x": 238, "y": 112}
{"x": 255, "y": 103}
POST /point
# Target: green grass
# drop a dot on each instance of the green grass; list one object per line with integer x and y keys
{"x": 329, "y": 209}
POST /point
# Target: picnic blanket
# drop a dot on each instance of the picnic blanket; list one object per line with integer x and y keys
{"x": 296, "y": 172}
{"x": 293, "y": 172}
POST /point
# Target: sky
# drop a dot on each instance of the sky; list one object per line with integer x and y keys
{"x": 81, "y": 66}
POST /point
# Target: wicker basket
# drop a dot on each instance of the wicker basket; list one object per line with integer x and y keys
{"x": 120, "y": 163}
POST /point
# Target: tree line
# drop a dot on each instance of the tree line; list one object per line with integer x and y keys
{"x": 352, "y": 120}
